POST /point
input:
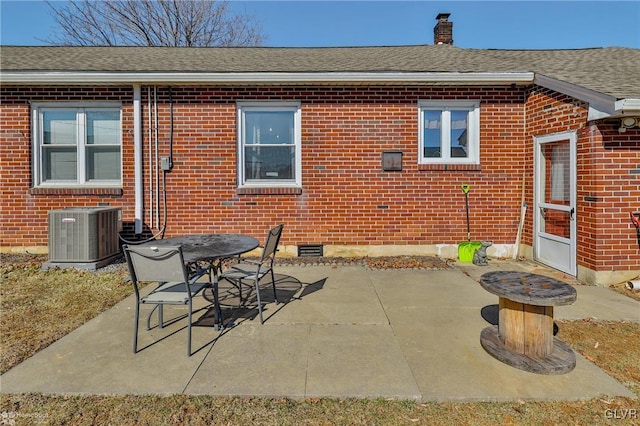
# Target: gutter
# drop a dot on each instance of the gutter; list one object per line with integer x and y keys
{"x": 112, "y": 78}
{"x": 628, "y": 106}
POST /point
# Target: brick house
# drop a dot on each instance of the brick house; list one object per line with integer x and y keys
{"x": 361, "y": 150}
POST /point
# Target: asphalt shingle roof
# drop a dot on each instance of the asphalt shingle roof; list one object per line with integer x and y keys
{"x": 613, "y": 71}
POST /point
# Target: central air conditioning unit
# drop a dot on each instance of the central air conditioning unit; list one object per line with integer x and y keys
{"x": 88, "y": 237}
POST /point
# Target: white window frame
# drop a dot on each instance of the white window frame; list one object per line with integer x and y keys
{"x": 37, "y": 131}
{"x": 473, "y": 131}
{"x": 269, "y": 106}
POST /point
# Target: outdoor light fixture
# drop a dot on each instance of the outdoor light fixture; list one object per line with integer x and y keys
{"x": 627, "y": 123}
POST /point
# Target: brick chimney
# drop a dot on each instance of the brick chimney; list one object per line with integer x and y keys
{"x": 443, "y": 31}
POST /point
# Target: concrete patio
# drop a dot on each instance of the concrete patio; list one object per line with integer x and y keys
{"x": 343, "y": 331}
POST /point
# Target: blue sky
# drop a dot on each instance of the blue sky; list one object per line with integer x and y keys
{"x": 477, "y": 24}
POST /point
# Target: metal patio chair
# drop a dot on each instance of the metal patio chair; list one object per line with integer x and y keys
{"x": 176, "y": 283}
{"x": 254, "y": 270}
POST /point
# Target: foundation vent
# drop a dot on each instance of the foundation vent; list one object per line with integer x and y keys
{"x": 310, "y": 250}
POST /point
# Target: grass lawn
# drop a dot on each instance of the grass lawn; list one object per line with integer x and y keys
{"x": 38, "y": 307}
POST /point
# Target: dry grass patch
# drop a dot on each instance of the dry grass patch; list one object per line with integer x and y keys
{"x": 39, "y": 307}
{"x": 613, "y": 346}
{"x": 208, "y": 410}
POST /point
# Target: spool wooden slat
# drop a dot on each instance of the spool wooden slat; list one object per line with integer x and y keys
{"x": 511, "y": 324}
{"x": 538, "y": 329}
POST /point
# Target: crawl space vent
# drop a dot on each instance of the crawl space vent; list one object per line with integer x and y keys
{"x": 310, "y": 250}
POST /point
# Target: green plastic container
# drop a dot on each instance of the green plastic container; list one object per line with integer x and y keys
{"x": 467, "y": 249}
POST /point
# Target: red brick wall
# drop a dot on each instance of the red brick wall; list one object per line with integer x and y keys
{"x": 609, "y": 189}
{"x": 346, "y": 199}
{"x": 23, "y": 210}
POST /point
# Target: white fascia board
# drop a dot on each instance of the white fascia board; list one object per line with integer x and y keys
{"x": 600, "y": 105}
{"x": 83, "y": 78}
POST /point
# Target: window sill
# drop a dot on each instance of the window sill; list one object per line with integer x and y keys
{"x": 450, "y": 167}
{"x": 75, "y": 191}
{"x": 269, "y": 191}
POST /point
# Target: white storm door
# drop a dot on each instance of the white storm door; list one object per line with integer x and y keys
{"x": 555, "y": 201}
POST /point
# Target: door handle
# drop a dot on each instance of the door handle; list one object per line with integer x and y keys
{"x": 571, "y": 213}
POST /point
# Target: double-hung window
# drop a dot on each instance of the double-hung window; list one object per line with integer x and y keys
{"x": 269, "y": 144}
{"x": 449, "y": 132}
{"x": 77, "y": 145}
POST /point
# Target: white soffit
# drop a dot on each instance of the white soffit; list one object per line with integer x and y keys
{"x": 84, "y": 78}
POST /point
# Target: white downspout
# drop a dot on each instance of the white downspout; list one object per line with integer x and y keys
{"x": 156, "y": 156}
{"x": 150, "y": 148}
{"x": 137, "y": 158}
